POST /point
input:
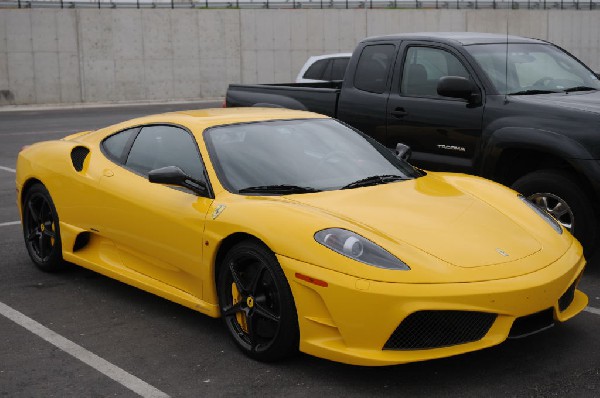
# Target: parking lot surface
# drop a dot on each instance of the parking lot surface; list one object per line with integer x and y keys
{"x": 77, "y": 333}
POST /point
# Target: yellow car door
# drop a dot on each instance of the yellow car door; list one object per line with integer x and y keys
{"x": 156, "y": 228}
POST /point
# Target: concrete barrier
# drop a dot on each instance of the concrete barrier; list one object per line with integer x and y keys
{"x": 52, "y": 56}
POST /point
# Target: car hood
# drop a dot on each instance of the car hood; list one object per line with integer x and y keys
{"x": 433, "y": 216}
{"x": 581, "y": 100}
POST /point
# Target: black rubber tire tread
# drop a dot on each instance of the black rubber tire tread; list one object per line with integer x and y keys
{"x": 54, "y": 262}
{"x": 285, "y": 344}
{"x": 564, "y": 185}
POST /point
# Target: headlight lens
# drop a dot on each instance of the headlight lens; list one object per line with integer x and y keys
{"x": 549, "y": 219}
{"x": 358, "y": 248}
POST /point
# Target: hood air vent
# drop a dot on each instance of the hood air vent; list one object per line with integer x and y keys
{"x": 78, "y": 155}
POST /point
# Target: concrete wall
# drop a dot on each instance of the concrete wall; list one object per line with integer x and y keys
{"x": 88, "y": 55}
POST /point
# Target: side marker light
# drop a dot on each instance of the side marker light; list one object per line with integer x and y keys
{"x": 309, "y": 279}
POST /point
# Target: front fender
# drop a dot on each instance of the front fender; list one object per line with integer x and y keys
{"x": 526, "y": 138}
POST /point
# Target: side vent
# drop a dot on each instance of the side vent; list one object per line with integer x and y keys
{"x": 81, "y": 241}
{"x": 78, "y": 155}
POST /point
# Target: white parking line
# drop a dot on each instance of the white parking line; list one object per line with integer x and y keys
{"x": 592, "y": 310}
{"x": 127, "y": 380}
{"x": 8, "y": 169}
{"x": 6, "y": 224}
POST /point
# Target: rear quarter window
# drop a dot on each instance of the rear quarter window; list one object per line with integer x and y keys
{"x": 373, "y": 68}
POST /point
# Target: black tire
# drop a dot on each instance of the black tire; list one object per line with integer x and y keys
{"x": 558, "y": 193}
{"x": 41, "y": 229}
{"x": 256, "y": 303}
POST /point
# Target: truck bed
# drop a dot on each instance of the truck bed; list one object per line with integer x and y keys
{"x": 315, "y": 97}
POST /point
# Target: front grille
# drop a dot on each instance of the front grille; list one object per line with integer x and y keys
{"x": 78, "y": 155}
{"x": 529, "y": 324}
{"x": 434, "y": 329}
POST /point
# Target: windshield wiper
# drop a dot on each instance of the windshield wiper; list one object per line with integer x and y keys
{"x": 374, "y": 180}
{"x": 579, "y": 88}
{"x": 279, "y": 189}
{"x": 533, "y": 92}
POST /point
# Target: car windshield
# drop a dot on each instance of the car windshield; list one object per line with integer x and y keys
{"x": 533, "y": 68}
{"x": 300, "y": 156}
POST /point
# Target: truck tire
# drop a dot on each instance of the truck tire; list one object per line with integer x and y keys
{"x": 557, "y": 193}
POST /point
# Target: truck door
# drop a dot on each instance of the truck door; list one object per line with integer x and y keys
{"x": 442, "y": 132}
{"x": 365, "y": 90}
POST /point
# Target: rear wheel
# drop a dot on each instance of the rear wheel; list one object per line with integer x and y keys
{"x": 557, "y": 193}
{"x": 41, "y": 230}
{"x": 256, "y": 302}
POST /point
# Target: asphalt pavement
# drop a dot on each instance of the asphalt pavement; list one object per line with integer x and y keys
{"x": 80, "y": 334}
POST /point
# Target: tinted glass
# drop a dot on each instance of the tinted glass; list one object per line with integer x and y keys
{"x": 373, "y": 68}
{"x": 161, "y": 146}
{"x": 115, "y": 144}
{"x": 339, "y": 68}
{"x": 315, "y": 71}
{"x": 423, "y": 68}
{"x": 327, "y": 71}
{"x": 531, "y": 66}
{"x": 317, "y": 153}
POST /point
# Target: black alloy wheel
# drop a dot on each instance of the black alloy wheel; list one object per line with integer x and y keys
{"x": 41, "y": 229}
{"x": 256, "y": 303}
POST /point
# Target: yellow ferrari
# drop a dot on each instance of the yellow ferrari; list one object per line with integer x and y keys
{"x": 301, "y": 234}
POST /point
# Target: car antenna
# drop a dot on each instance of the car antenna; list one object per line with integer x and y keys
{"x": 506, "y": 60}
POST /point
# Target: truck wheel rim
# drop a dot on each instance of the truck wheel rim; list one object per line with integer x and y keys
{"x": 556, "y": 207}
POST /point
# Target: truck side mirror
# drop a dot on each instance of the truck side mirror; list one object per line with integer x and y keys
{"x": 458, "y": 87}
{"x": 403, "y": 151}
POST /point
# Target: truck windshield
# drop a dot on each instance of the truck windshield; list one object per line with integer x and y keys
{"x": 300, "y": 156}
{"x": 532, "y": 68}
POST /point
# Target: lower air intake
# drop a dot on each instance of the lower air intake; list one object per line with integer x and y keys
{"x": 530, "y": 324}
{"x": 434, "y": 329}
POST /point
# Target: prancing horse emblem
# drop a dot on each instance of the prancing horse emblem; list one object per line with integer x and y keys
{"x": 502, "y": 252}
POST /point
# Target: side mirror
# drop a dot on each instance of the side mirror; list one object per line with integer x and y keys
{"x": 458, "y": 87}
{"x": 173, "y": 175}
{"x": 403, "y": 151}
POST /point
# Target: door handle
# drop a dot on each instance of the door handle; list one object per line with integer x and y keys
{"x": 399, "y": 112}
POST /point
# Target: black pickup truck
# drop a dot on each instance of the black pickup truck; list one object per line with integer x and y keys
{"x": 519, "y": 111}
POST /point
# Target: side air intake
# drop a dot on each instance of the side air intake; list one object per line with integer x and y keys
{"x": 78, "y": 155}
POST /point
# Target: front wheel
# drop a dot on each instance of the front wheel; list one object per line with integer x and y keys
{"x": 256, "y": 302}
{"x": 557, "y": 193}
{"x": 41, "y": 230}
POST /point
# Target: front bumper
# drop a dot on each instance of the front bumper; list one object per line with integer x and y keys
{"x": 351, "y": 319}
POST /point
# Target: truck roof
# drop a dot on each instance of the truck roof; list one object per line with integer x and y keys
{"x": 460, "y": 38}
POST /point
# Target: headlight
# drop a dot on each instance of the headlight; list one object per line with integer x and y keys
{"x": 358, "y": 248}
{"x": 549, "y": 219}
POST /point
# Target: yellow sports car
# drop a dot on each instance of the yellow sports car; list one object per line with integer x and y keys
{"x": 301, "y": 233}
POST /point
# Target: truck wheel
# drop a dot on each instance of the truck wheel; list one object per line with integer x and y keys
{"x": 556, "y": 192}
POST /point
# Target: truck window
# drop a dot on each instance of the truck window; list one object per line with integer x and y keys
{"x": 316, "y": 70}
{"x": 373, "y": 68}
{"x": 339, "y": 68}
{"x": 424, "y": 66}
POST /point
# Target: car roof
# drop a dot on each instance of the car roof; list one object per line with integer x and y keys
{"x": 458, "y": 38}
{"x": 199, "y": 120}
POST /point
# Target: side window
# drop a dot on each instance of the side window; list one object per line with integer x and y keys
{"x": 424, "y": 67}
{"x": 339, "y": 68}
{"x": 161, "y": 146}
{"x": 327, "y": 72}
{"x": 373, "y": 67}
{"x": 115, "y": 145}
{"x": 315, "y": 71}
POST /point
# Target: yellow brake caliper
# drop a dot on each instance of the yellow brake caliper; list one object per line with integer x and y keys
{"x": 240, "y": 316}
